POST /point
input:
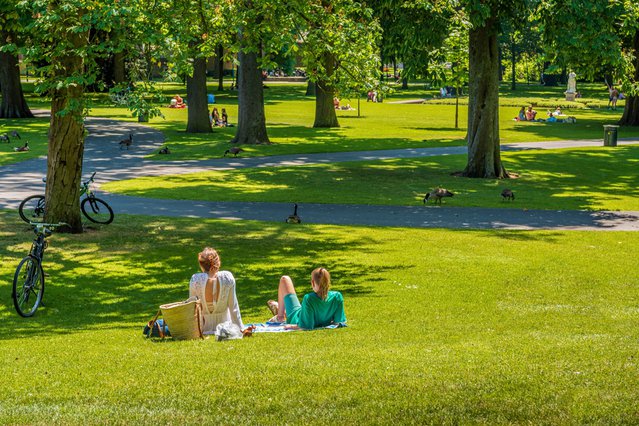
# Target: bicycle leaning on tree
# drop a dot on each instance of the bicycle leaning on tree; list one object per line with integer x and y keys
{"x": 31, "y": 209}
{"x": 28, "y": 281}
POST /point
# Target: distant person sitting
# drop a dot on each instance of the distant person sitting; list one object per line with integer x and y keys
{"x": 522, "y": 115}
{"x": 177, "y": 102}
{"x": 336, "y": 103}
{"x": 531, "y": 114}
{"x": 215, "y": 118}
{"x": 225, "y": 119}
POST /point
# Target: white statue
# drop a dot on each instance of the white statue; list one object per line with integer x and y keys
{"x": 572, "y": 82}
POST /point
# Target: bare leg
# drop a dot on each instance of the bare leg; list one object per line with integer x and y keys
{"x": 286, "y": 287}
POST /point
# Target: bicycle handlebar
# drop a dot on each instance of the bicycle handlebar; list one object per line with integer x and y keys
{"x": 86, "y": 182}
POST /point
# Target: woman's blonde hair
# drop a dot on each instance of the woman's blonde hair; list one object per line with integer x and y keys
{"x": 322, "y": 278}
{"x": 209, "y": 259}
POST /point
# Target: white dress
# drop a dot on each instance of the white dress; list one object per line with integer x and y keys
{"x": 225, "y": 309}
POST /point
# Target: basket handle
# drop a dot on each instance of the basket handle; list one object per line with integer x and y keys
{"x": 198, "y": 314}
{"x": 152, "y": 324}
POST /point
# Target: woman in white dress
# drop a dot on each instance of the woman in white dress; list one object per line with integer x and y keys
{"x": 216, "y": 291}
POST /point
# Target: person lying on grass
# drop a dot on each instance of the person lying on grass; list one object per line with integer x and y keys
{"x": 318, "y": 309}
{"x": 216, "y": 290}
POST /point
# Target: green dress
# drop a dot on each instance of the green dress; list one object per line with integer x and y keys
{"x": 315, "y": 312}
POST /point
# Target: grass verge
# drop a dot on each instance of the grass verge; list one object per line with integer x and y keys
{"x": 584, "y": 178}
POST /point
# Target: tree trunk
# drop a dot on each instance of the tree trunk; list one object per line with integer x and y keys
{"x": 324, "y": 94}
{"x": 310, "y": 89}
{"x": 196, "y": 97}
{"x": 251, "y": 121}
{"x": 484, "y": 159}
{"x": 66, "y": 144}
{"x": 220, "y": 76}
{"x": 513, "y": 61}
{"x": 13, "y": 103}
{"x": 631, "y": 110}
{"x": 405, "y": 83}
{"x": 119, "y": 68}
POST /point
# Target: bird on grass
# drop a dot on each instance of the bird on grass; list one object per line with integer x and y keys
{"x": 508, "y": 194}
{"x": 438, "y": 194}
{"x": 5, "y": 138}
{"x": 126, "y": 142}
{"x": 15, "y": 134}
{"x": 22, "y": 148}
{"x": 165, "y": 150}
{"x": 235, "y": 150}
{"x": 294, "y": 218}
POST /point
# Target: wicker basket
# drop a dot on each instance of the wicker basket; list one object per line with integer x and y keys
{"x": 184, "y": 319}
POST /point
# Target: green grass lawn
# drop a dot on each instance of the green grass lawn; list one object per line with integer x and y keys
{"x": 585, "y": 178}
{"x": 454, "y": 327}
{"x": 385, "y": 125}
{"x": 33, "y": 131}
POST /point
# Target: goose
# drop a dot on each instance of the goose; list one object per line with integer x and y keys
{"x": 235, "y": 150}
{"x": 294, "y": 218}
{"x": 126, "y": 142}
{"x": 5, "y": 138}
{"x": 165, "y": 150}
{"x": 22, "y": 148}
{"x": 438, "y": 194}
{"x": 15, "y": 134}
{"x": 508, "y": 194}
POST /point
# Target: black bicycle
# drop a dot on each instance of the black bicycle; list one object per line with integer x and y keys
{"x": 28, "y": 281}
{"x": 31, "y": 209}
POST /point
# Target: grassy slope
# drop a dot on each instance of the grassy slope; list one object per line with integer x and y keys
{"x": 445, "y": 327}
{"x": 592, "y": 178}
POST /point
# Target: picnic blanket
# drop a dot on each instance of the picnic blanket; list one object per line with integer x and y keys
{"x": 278, "y": 327}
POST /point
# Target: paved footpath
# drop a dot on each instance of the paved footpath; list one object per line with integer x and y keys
{"x": 102, "y": 154}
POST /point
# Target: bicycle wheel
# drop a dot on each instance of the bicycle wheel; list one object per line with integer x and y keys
{"x": 32, "y": 209}
{"x": 28, "y": 286}
{"x": 97, "y": 210}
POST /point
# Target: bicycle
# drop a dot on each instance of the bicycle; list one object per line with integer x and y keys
{"x": 28, "y": 281}
{"x": 31, "y": 209}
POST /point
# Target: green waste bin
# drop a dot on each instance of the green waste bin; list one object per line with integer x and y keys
{"x": 610, "y": 135}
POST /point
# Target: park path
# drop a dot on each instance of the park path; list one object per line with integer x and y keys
{"x": 103, "y": 154}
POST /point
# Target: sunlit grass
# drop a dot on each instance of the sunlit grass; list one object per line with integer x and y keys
{"x": 33, "y": 131}
{"x": 445, "y": 327}
{"x": 290, "y": 115}
{"x": 584, "y": 178}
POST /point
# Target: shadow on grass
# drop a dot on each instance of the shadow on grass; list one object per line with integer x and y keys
{"x": 120, "y": 274}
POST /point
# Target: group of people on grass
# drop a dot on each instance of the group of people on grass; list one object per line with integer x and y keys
{"x": 217, "y": 119}
{"x": 216, "y": 290}
{"x": 526, "y": 114}
{"x": 553, "y": 116}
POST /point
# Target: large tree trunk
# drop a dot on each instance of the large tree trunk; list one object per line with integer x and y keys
{"x": 631, "y": 110}
{"x": 119, "y": 68}
{"x": 310, "y": 88}
{"x": 66, "y": 144}
{"x": 13, "y": 103}
{"x": 220, "y": 69}
{"x": 251, "y": 121}
{"x": 484, "y": 159}
{"x": 513, "y": 62}
{"x": 324, "y": 93}
{"x": 196, "y": 96}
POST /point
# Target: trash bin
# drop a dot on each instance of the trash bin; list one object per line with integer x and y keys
{"x": 211, "y": 99}
{"x": 610, "y": 135}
